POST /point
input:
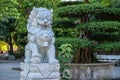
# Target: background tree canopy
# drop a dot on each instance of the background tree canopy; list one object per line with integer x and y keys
{"x": 95, "y": 21}
{"x": 13, "y": 19}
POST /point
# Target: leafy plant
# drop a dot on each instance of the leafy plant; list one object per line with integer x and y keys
{"x": 79, "y": 47}
{"x": 8, "y": 9}
{"x": 64, "y": 57}
{"x": 68, "y": 32}
{"x": 75, "y": 42}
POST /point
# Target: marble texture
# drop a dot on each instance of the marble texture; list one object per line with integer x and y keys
{"x": 40, "y": 47}
{"x": 99, "y": 71}
{"x": 43, "y": 71}
{"x": 40, "y": 62}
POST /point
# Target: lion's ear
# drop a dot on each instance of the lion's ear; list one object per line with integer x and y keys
{"x": 51, "y": 10}
{"x": 35, "y": 9}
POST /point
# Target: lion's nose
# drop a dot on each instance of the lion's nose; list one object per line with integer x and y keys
{"x": 45, "y": 21}
{"x": 45, "y": 44}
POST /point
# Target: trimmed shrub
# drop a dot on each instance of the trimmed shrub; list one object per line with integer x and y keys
{"x": 107, "y": 26}
{"x": 109, "y": 14}
{"x": 63, "y": 23}
{"x": 75, "y": 42}
{"x": 107, "y": 46}
{"x": 66, "y": 3}
{"x": 101, "y": 36}
{"x": 79, "y": 10}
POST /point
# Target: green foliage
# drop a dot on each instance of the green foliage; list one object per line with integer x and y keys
{"x": 79, "y": 10}
{"x": 20, "y": 38}
{"x": 64, "y": 56}
{"x": 75, "y": 42}
{"x": 108, "y": 46}
{"x": 66, "y": 3}
{"x": 101, "y": 36}
{"x": 100, "y": 11}
{"x": 93, "y": 1}
{"x": 63, "y": 23}
{"x": 101, "y": 32}
{"x": 110, "y": 3}
{"x": 8, "y": 18}
{"x": 105, "y": 2}
{"x": 61, "y": 32}
{"x": 7, "y": 29}
{"x": 8, "y": 9}
{"x": 3, "y": 46}
{"x": 106, "y": 26}
{"x": 109, "y": 14}
{"x": 115, "y": 3}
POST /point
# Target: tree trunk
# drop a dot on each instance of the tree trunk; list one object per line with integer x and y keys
{"x": 11, "y": 46}
{"x": 86, "y": 1}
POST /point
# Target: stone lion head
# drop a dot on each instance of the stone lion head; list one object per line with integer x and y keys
{"x": 40, "y": 17}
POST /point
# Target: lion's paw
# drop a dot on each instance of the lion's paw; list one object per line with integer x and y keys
{"x": 36, "y": 55}
{"x": 53, "y": 61}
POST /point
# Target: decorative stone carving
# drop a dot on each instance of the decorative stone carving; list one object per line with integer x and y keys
{"x": 40, "y": 48}
{"x": 43, "y": 71}
{"x": 40, "y": 62}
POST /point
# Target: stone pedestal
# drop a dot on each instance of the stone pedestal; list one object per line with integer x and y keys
{"x": 42, "y": 71}
{"x": 95, "y": 71}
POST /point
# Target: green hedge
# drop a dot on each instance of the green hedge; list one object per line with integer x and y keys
{"x": 66, "y": 3}
{"x": 95, "y": 9}
{"x": 112, "y": 11}
{"x": 101, "y": 36}
{"x": 62, "y": 23}
{"x": 108, "y": 26}
{"x": 78, "y": 10}
{"x": 109, "y": 14}
{"x": 68, "y": 32}
{"x": 75, "y": 42}
{"x": 108, "y": 46}
{"x": 82, "y": 43}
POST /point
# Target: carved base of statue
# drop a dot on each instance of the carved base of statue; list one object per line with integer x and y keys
{"x": 40, "y": 62}
{"x": 42, "y": 71}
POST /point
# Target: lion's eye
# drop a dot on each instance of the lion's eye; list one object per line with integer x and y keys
{"x": 42, "y": 18}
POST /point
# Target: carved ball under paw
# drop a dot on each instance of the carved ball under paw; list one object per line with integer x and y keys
{"x": 27, "y": 61}
{"x": 36, "y": 60}
{"x": 36, "y": 55}
{"x": 53, "y": 61}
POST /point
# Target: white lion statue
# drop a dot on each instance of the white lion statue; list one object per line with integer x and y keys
{"x": 40, "y": 47}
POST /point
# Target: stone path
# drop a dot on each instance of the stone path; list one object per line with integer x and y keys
{"x": 6, "y": 72}
{"x": 116, "y": 72}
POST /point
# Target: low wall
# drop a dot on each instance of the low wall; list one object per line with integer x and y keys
{"x": 96, "y": 71}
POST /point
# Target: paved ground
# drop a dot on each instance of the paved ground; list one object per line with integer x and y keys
{"x": 6, "y": 72}
{"x": 116, "y": 72}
